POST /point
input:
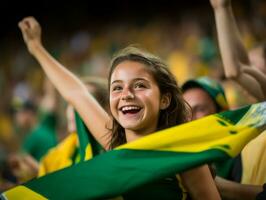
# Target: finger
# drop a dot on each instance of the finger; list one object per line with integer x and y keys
{"x": 258, "y": 75}
{"x": 23, "y": 29}
{"x": 23, "y": 25}
{"x": 32, "y": 22}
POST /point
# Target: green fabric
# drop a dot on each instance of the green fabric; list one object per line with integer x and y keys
{"x": 41, "y": 138}
{"x": 115, "y": 172}
{"x": 131, "y": 166}
{"x": 234, "y": 117}
{"x": 82, "y": 135}
{"x": 85, "y": 139}
{"x": 224, "y": 168}
{"x": 167, "y": 188}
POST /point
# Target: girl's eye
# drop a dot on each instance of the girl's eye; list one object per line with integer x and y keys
{"x": 117, "y": 88}
{"x": 140, "y": 85}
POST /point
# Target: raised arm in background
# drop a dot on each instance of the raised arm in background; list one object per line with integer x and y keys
{"x": 235, "y": 59}
{"x": 230, "y": 190}
{"x": 68, "y": 85}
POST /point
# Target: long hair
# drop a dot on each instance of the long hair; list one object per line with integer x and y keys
{"x": 176, "y": 113}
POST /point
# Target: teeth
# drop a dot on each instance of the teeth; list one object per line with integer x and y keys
{"x": 130, "y": 108}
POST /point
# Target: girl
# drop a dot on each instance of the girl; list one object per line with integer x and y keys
{"x": 143, "y": 96}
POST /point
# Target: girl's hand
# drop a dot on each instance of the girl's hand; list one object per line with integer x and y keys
{"x": 31, "y": 31}
{"x": 219, "y": 3}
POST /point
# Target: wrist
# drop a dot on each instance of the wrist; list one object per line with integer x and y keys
{"x": 224, "y": 5}
{"x": 34, "y": 47}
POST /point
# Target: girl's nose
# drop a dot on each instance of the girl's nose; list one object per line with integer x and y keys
{"x": 127, "y": 95}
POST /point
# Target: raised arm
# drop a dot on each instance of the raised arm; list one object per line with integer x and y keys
{"x": 230, "y": 190}
{"x": 234, "y": 55}
{"x": 68, "y": 85}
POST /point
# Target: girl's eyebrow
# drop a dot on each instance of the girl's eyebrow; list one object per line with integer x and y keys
{"x": 135, "y": 79}
{"x": 116, "y": 81}
{"x": 140, "y": 79}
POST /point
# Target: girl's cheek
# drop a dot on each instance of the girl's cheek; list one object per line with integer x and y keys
{"x": 114, "y": 96}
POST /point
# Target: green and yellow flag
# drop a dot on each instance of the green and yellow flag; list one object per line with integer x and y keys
{"x": 88, "y": 146}
{"x": 77, "y": 147}
{"x": 167, "y": 152}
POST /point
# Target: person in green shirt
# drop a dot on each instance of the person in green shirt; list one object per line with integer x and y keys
{"x": 36, "y": 128}
{"x": 42, "y": 137}
{"x": 38, "y": 123}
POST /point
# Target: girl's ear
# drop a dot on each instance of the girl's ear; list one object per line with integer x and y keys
{"x": 165, "y": 101}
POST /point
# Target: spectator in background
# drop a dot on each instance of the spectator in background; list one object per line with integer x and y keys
{"x": 39, "y": 127}
{"x": 24, "y": 167}
{"x": 41, "y": 135}
{"x": 249, "y": 72}
{"x": 206, "y": 96}
{"x": 238, "y": 67}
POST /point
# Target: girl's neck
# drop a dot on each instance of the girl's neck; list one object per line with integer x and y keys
{"x": 134, "y": 135}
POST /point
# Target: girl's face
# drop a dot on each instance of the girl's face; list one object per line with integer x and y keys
{"x": 200, "y": 101}
{"x": 135, "y": 99}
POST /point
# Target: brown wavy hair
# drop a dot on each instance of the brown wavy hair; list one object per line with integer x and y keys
{"x": 177, "y": 112}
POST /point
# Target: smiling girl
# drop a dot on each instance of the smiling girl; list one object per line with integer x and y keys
{"x": 144, "y": 98}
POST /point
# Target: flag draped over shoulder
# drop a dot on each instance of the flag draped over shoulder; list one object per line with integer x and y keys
{"x": 78, "y": 146}
{"x": 88, "y": 146}
{"x": 167, "y": 152}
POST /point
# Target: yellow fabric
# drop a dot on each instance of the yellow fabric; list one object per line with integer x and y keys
{"x": 60, "y": 156}
{"x": 182, "y": 187}
{"x": 23, "y": 193}
{"x": 221, "y": 101}
{"x": 217, "y": 135}
{"x": 254, "y": 161}
{"x": 89, "y": 154}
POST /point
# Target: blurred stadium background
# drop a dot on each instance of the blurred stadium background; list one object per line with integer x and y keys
{"x": 84, "y": 35}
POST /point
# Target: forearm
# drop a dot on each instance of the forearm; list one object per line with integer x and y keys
{"x": 251, "y": 85}
{"x": 200, "y": 184}
{"x": 230, "y": 190}
{"x": 75, "y": 93}
{"x": 68, "y": 85}
{"x": 65, "y": 82}
{"x": 260, "y": 79}
{"x": 233, "y": 52}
